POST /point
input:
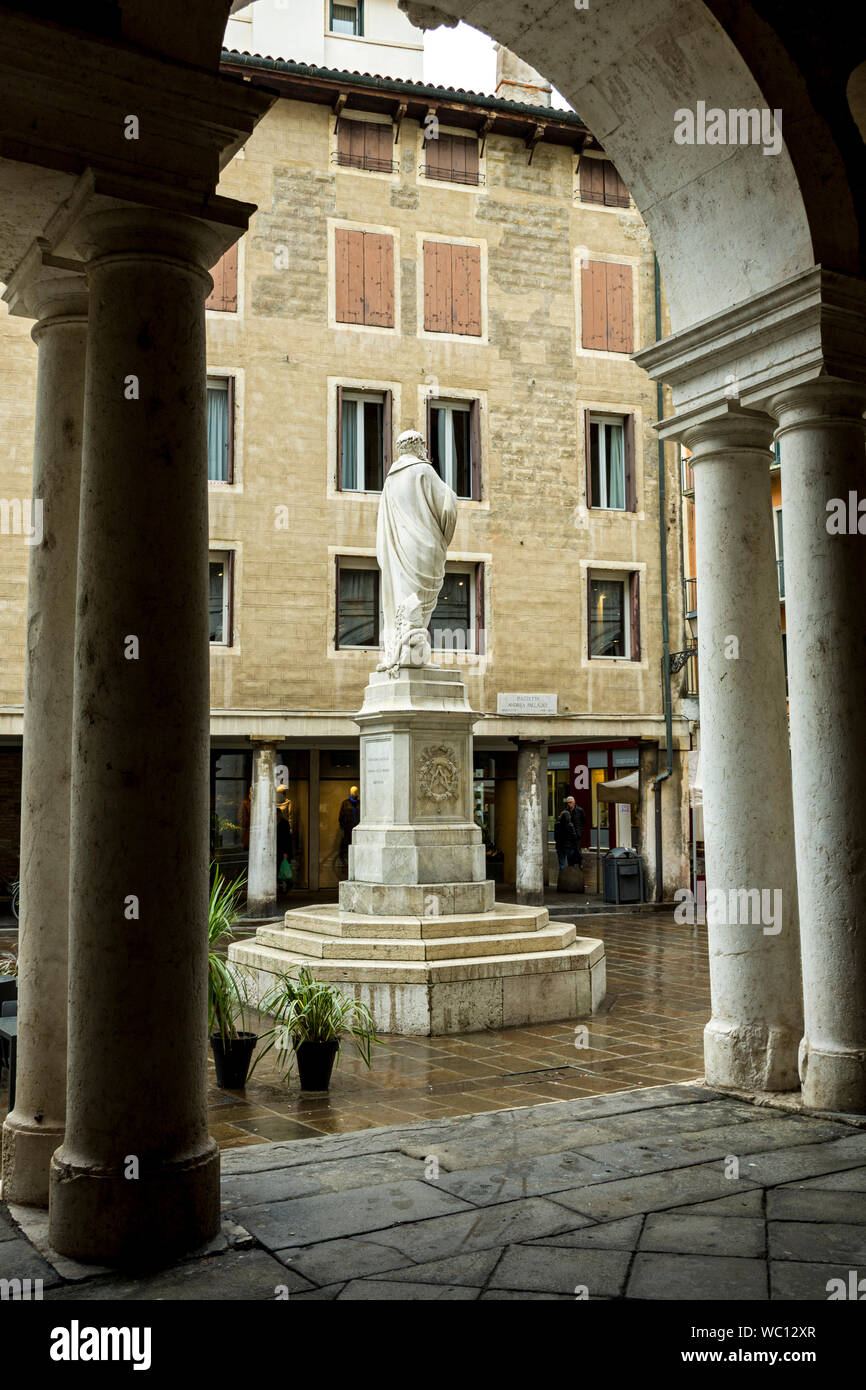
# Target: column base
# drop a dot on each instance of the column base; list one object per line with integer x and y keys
{"x": 748, "y": 1057}
{"x": 833, "y": 1080}
{"x": 110, "y": 1219}
{"x": 27, "y": 1151}
{"x": 530, "y": 897}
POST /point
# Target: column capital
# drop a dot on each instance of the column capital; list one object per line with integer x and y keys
{"x": 45, "y": 286}
{"x": 819, "y": 404}
{"x": 724, "y": 427}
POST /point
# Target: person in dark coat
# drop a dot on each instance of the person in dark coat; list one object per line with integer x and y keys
{"x": 578, "y": 820}
{"x": 565, "y": 839}
{"x": 350, "y": 814}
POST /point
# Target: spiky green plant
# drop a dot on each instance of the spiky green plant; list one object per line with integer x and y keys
{"x": 228, "y": 987}
{"x": 308, "y": 1010}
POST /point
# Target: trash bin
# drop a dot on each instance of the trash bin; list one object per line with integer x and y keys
{"x": 623, "y": 876}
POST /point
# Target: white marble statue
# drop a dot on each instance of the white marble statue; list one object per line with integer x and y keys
{"x": 417, "y": 517}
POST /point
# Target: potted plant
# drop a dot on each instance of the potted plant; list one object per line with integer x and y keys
{"x": 311, "y": 1019}
{"x": 228, "y": 992}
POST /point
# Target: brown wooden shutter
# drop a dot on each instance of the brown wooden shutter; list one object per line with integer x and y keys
{"x": 437, "y": 287}
{"x": 634, "y": 613}
{"x": 630, "y": 464}
{"x": 230, "y": 430}
{"x": 615, "y": 191}
{"x": 387, "y": 435}
{"x": 345, "y": 137}
{"x": 378, "y": 280}
{"x": 382, "y": 151}
{"x": 620, "y": 316}
{"x": 591, "y": 177}
{"x": 466, "y": 300}
{"x": 230, "y": 606}
{"x": 480, "y": 630}
{"x": 224, "y": 295}
{"x": 337, "y": 603}
{"x": 475, "y": 448}
{"x": 339, "y": 438}
{"x": 215, "y": 298}
{"x": 439, "y": 157}
{"x": 593, "y": 295}
{"x": 471, "y": 159}
{"x": 349, "y": 270}
{"x": 587, "y": 434}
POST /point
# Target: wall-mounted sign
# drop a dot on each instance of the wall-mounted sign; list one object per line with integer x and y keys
{"x": 524, "y": 702}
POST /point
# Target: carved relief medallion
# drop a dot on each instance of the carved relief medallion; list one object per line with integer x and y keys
{"x": 438, "y": 773}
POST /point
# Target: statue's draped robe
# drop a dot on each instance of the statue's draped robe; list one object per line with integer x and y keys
{"x": 417, "y": 517}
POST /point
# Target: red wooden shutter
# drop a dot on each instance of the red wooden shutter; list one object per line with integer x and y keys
{"x": 230, "y": 430}
{"x": 615, "y": 191}
{"x": 630, "y": 465}
{"x": 475, "y": 448}
{"x": 437, "y": 287}
{"x": 591, "y": 181}
{"x": 339, "y": 438}
{"x": 349, "y": 269}
{"x": 587, "y": 434}
{"x": 466, "y": 300}
{"x": 634, "y": 613}
{"x": 378, "y": 280}
{"x": 480, "y": 630}
{"x": 620, "y": 317}
{"x": 387, "y": 435}
{"x": 224, "y": 295}
{"x": 593, "y": 297}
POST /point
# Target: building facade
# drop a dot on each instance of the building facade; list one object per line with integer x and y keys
{"x": 471, "y": 266}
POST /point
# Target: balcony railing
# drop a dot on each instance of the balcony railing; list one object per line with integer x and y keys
{"x": 688, "y": 478}
{"x": 365, "y": 161}
{"x": 445, "y": 174}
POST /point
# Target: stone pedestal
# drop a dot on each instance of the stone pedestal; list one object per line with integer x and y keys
{"x": 417, "y": 933}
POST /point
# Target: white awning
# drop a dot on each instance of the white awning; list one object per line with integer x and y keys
{"x": 622, "y": 789}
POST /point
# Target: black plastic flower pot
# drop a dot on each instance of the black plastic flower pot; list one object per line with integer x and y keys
{"x": 315, "y": 1063}
{"x": 232, "y": 1059}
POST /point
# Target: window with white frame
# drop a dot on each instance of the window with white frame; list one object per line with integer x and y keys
{"x": 220, "y": 429}
{"x": 357, "y": 603}
{"x": 454, "y": 624}
{"x": 607, "y": 462}
{"x": 613, "y": 619}
{"x": 347, "y": 18}
{"x": 451, "y": 444}
{"x": 220, "y": 575}
{"x": 362, "y": 452}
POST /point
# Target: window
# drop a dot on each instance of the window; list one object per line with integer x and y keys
{"x": 365, "y": 145}
{"x": 357, "y": 605}
{"x": 780, "y": 552}
{"x": 454, "y": 435}
{"x": 600, "y": 183}
{"x": 457, "y": 624}
{"x": 363, "y": 439}
{"x": 607, "y": 307}
{"x": 452, "y": 288}
{"x": 221, "y": 578}
{"x": 364, "y": 264}
{"x": 614, "y": 616}
{"x": 347, "y": 18}
{"x": 224, "y": 295}
{"x": 220, "y": 429}
{"x": 610, "y": 476}
{"x": 453, "y": 158}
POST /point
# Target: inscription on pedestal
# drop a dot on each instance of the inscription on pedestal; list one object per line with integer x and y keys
{"x": 378, "y": 778}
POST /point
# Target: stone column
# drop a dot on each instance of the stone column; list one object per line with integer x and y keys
{"x": 531, "y": 820}
{"x": 262, "y": 872}
{"x": 137, "y": 1176}
{"x": 752, "y": 1038}
{"x": 821, "y": 429}
{"x": 33, "y": 1130}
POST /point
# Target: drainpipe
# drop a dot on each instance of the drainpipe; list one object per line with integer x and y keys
{"x": 666, "y": 645}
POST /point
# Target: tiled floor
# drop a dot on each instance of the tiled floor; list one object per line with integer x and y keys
{"x": 649, "y": 1032}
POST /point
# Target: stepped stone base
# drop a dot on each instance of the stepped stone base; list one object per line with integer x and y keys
{"x": 450, "y": 973}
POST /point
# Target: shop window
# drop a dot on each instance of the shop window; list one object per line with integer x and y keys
{"x": 610, "y": 455}
{"x": 614, "y": 616}
{"x": 363, "y": 439}
{"x": 600, "y": 183}
{"x": 221, "y": 577}
{"x": 364, "y": 268}
{"x": 347, "y": 18}
{"x": 224, "y": 295}
{"x": 454, "y": 434}
{"x": 607, "y": 307}
{"x": 357, "y": 605}
{"x": 220, "y": 428}
{"x": 452, "y": 288}
{"x": 365, "y": 145}
{"x": 452, "y": 158}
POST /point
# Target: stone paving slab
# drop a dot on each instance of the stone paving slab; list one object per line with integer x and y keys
{"x": 804, "y": 1161}
{"x": 280, "y": 1184}
{"x": 679, "y": 1149}
{"x": 579, "y": 1273}
{"x": 610, "y": 1235}
{"x": 381, "y": 1290}
{"x": 18, "y": 1260}
{"x": 852, "y": 1180}
{"x": 307, "y": 1220}
{"x": 808, "y": 1281}
{"x": 813, "y": 1204}
{"x": 530, "y": 1178}
{"x": 673, "y": 1233}
{"x": 803, "y": 1240}
{"x": 749, "y": 1203}
{"x": 651, "y": 1192}
{"x": 473, "y": 1268}
{"x": 236, "y": 1276}
{"x": 698, "y": 1277}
